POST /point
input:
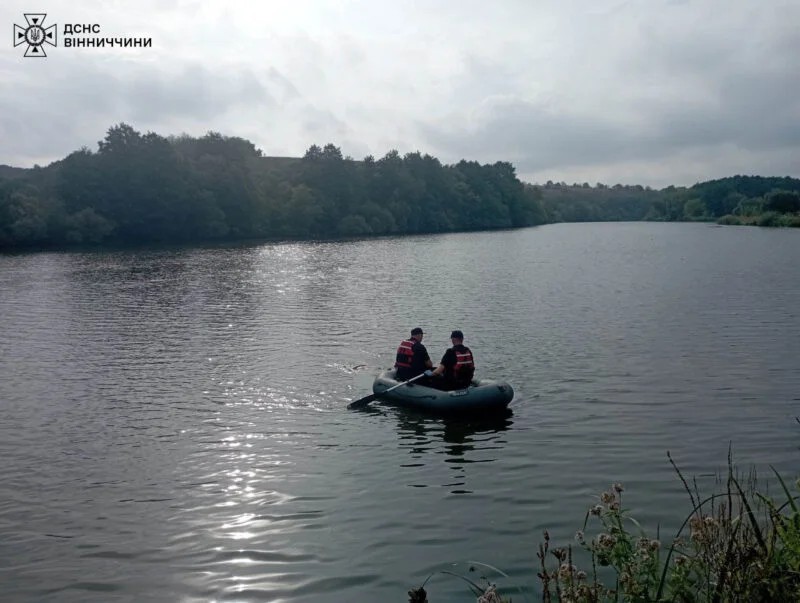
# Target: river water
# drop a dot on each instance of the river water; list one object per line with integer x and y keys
{"x": 174, "y": 426}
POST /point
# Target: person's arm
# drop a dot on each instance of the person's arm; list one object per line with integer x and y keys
{"x": 447, "y": 360}
{"x": 428, "y": 363}
{"x": 421, "y": 352}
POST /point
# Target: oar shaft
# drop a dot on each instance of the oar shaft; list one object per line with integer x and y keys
{"x": 367, "y": 399}
{"x": 402, "y": 383}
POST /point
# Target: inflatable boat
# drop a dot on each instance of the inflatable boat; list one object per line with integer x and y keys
{"x": 481, "y": 396}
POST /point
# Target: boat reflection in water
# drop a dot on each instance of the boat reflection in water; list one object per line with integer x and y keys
{"x": 460, "y": 442}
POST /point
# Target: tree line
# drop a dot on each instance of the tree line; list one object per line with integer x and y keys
{"x": 142, "y": 188}
{"x": 146, "y": 188}
{"x": 765, "y": 201}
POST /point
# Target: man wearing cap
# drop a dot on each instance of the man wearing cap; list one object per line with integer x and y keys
{"x": 457, "y": 366}
{"x": 412, "y": 357}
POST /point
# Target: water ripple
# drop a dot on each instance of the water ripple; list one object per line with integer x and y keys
{"x": 174, "y": 425}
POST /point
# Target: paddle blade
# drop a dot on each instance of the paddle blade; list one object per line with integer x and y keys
{"x": 361, "y": 402}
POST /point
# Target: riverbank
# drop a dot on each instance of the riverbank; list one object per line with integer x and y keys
{"x": 770, "y": 219}
{"x": 738, "y": 544}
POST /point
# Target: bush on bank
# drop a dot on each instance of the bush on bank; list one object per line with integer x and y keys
{"x": 738, "y": 544}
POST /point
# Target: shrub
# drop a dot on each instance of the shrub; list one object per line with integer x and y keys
{"x": 735, "y": 545}
{"x": 729, "y": 219}
{"x": 727, "y": 555}
{"x": 791, "y": 220}
{"x": 769, "y": 218}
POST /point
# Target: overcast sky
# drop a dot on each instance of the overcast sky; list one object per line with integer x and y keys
{"x": 652, "y": 92}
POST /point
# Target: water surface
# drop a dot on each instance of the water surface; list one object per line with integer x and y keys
{"x": 174, "y": 425}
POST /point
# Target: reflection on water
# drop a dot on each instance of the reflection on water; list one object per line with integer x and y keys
{"x": 461, "y": 441}
{"x": 174, "y": 423}
{"x": 460, "y": 435}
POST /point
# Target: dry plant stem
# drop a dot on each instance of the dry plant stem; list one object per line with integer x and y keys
{"x": 735, "y": 545}
{"x": 680, "y": 475}
{"x": 543, "y": 575}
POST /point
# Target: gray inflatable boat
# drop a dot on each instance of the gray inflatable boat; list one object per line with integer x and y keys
{"x": 481, "y": 396}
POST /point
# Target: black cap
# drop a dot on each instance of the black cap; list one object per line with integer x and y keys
{"x": 416, "y": 331}
{"x": 456, "y": 335}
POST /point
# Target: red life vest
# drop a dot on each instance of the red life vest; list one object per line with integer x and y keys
{"x": 464, "y": 368}
{"x": 405, "y": 353}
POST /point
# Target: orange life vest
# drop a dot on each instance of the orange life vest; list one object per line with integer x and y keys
{"x": 405, "y": 353}
{"x": 464, "y": 368}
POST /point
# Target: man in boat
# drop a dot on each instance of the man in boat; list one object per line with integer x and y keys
{"x": 457, "y": 367}
{"x": 412, "y": 357}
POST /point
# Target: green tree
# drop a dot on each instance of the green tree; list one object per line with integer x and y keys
{"x": 87, "y": 226}
{"x": 23, "y": 220}
{"x": 781, "y": 201}
{"x": 694, "y": 209}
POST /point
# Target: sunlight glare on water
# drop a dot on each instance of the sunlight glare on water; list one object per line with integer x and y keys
{"x": 174, "y": 423}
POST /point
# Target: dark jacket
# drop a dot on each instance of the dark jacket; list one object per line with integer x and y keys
{"x": 459, "y": 367}
{"x": 412, "y": 358}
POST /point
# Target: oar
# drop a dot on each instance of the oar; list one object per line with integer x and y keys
{"x": 362, "y": 402}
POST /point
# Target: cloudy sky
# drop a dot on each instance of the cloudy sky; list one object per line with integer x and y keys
{"x": 653, "y": 92}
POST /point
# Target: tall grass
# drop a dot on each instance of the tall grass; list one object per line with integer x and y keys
{"x": 735, "y": 545}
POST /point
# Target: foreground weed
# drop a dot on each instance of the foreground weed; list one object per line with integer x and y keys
{"x": 737, "y": 545}
{"x": 482, "y": 588}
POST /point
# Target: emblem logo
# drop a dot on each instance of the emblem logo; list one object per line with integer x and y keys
{"x": 35, "y": 35}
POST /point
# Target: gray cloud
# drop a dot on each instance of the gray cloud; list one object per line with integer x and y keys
{"x": 193, "y": 91}
{"x": 676, "y": 92}
{"x": 648, "y": 91}
{"x": 73, "y": 108}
